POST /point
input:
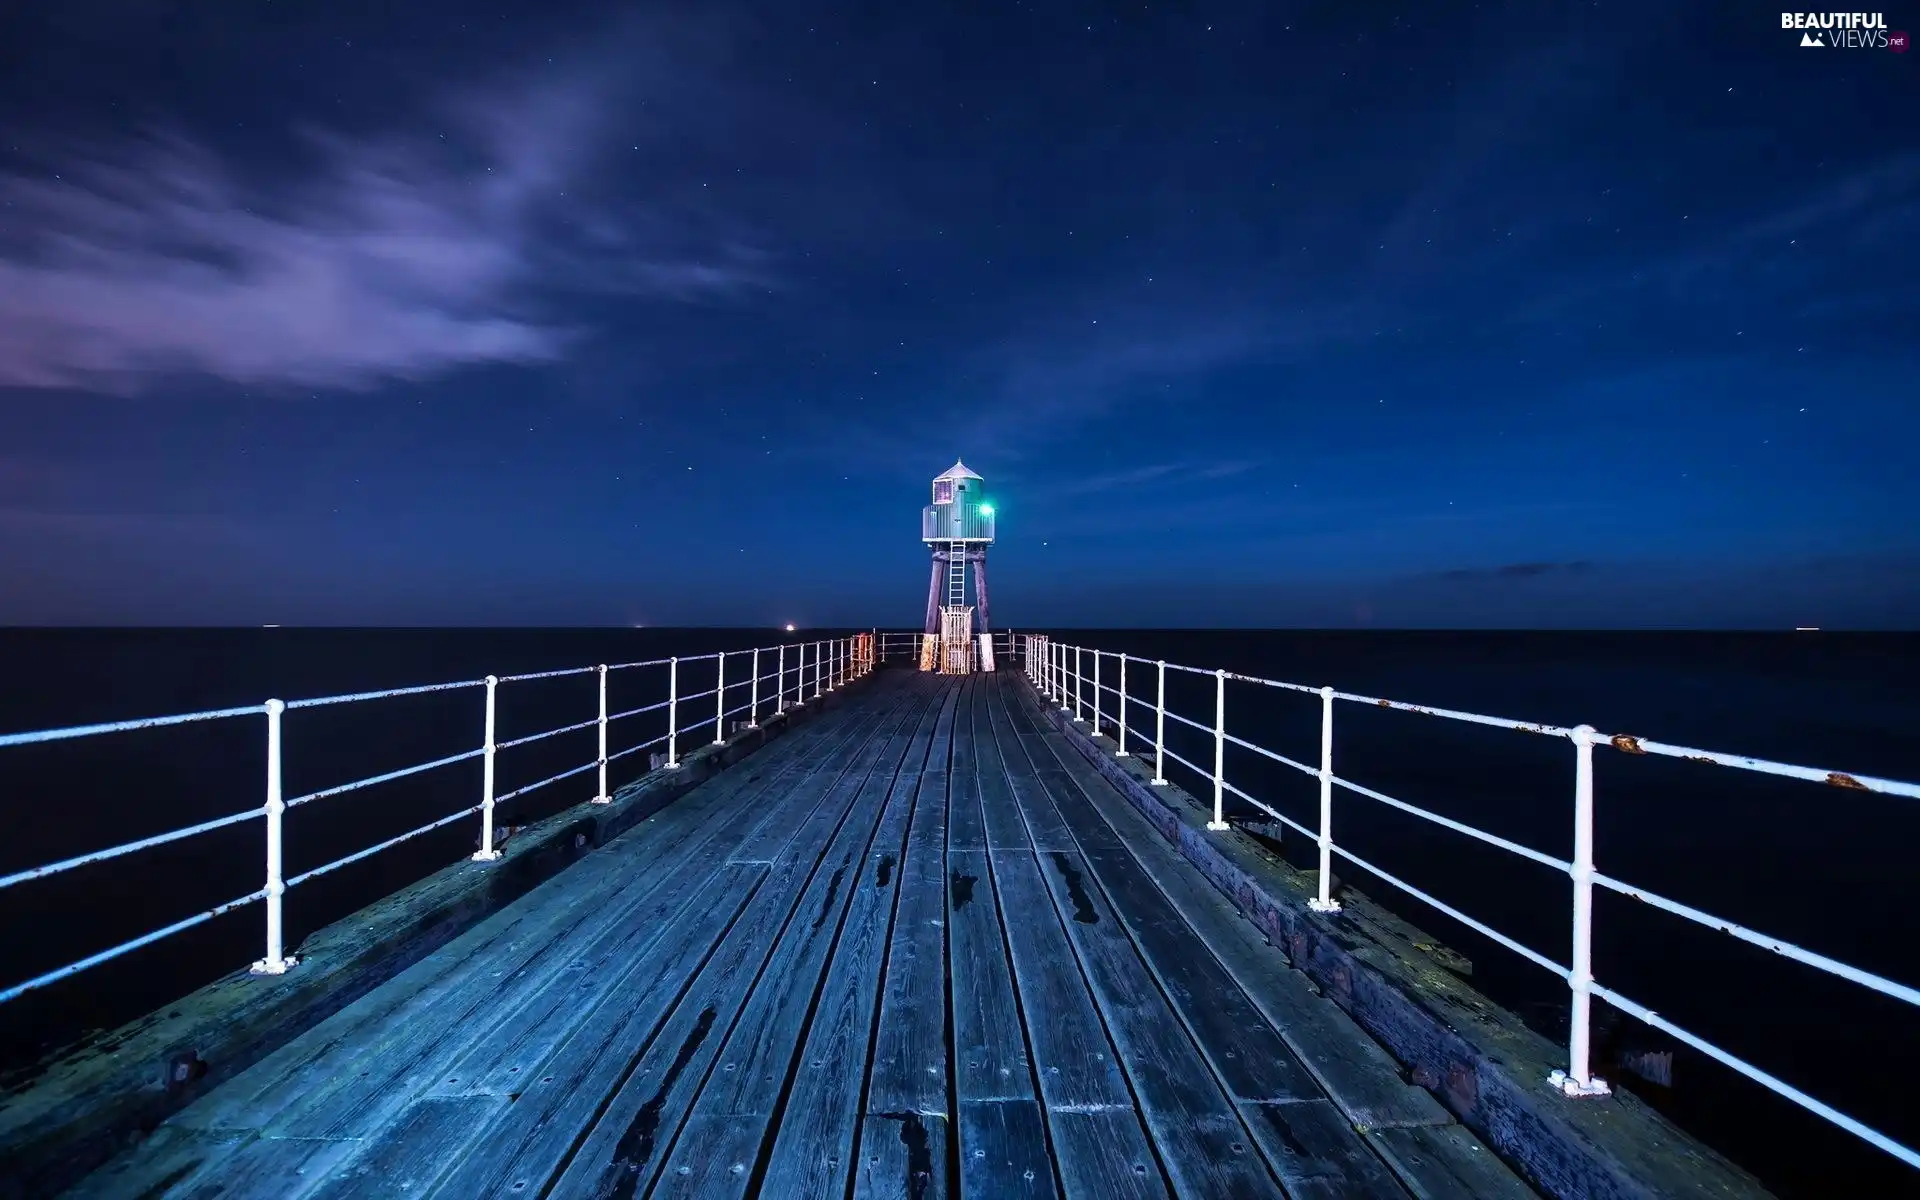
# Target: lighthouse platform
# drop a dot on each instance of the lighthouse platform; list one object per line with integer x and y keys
{"x": 931, "y": 942}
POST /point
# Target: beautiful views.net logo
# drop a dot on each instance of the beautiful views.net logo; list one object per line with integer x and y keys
{"x": 1850, "y": 31}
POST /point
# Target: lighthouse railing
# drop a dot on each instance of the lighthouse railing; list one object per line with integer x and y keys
{"x": 1060, "y": 671}
{"x": 755, "y": 677}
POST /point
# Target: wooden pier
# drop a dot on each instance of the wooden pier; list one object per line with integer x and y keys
{"x": 917, "y": 948}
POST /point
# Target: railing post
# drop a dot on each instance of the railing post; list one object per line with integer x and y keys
{"x": 1578, "y": 1079}
{"x": 1325, "y": 902}
{"x": 1097, "y": 656}
{"x": 720, "y": 702}
{"x": 603, "y": 796}
{"x": 819, "y": 652}
{"x": 487, "y": 853}
{"x": 753, "y": 696}
{"x": 1122, "y": 751}
{"x": 276, "y": 962}
{"x": 1219, "y": 821}
{"x": 673, "y": 712}
{"x": 1079, "y": 673}
{"x": 1160, "y": 727}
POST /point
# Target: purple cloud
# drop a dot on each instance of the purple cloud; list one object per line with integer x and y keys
{"x": 394, "y": 258}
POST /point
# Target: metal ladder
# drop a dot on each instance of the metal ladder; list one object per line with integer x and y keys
{"x": 956, "y": 574}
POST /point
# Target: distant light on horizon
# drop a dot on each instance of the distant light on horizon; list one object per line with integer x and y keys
{"x": 789, "y": 626}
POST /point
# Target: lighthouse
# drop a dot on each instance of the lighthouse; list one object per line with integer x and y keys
{"x": 958, "y": 528}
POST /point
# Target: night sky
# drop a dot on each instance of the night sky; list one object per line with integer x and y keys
{"x": 1250, "y": 314}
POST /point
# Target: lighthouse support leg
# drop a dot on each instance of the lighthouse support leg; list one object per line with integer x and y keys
{"x": 930, "y": 644}
{"x": 979, "y": 558}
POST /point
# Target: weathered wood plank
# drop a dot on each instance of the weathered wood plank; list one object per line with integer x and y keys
{"x": 503, "y": 1061}
{"x": 1248, "y": 1055}
{"x": 162, "y": 1162}
{"x": 989, "y": 1047}
{"x": 533, "y": 1144}
{"x": 1036, "y": 804}
{"x": 904, "y": 1135}
{"x": 1360, "y": 1077}
{"x": 764, "y": 1056}
{"x": 902, "y": 1156}
{"x": 1316, "y": 1153}
{"x": 1446, "y": 1162}
{"x": 416, "y": 1050}
{"x": 909, "y": 1070}
{"x": 1356, "y": 1072}
{"x": 1101, "y": 1154}
{"x": 527, "y": 1142}
{"x": 1003, "y": 1150}
{"x": 636, "y": 1133}
{"x": 1097, "y": 1135}
{"x": 415, "y": 1151}
{"x": 284, "y": 1168}
{"x": 1203, "y": 1144}
{"x": 813, "y": 1142}
{"x": 1001, "y": 818}
{"x": 966, "y": 829}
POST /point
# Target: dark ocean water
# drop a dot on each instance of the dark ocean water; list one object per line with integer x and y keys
{"x": 1828, "y": 869}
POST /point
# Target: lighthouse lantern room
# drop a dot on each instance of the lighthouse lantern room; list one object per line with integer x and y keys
{"x": 958, "y": 528}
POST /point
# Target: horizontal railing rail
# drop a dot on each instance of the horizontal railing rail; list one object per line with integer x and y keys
{"x": 1071, "y": 676}
{"x": 774, "y": 678}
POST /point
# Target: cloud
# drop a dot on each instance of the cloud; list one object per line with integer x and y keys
{"x": 399, "y": 256}
{"x": 1513, "y": 572}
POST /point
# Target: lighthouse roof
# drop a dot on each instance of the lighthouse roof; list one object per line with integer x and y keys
{"x": 958, "y": 470}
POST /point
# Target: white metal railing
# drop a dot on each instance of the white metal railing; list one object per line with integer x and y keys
{"x": 1059, "y": 672}
{"x": 897, "y": 645}
{"x": 797, "y": 673}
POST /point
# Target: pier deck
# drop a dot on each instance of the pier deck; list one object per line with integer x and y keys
{"x": 918, "y": 948}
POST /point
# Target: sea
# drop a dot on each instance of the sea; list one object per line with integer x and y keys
{"x": 1828, "y": 868}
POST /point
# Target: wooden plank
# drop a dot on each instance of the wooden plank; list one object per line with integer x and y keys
{"x": 418, "y": 1049}
{"x": 1032, "y": 800}
{"x": 772, "y": 834}
{"x": 413, "y": 1153}
{"x": 1435, "y": 1156}
{"x": 1002, "y": 1144}
{"x": 1356, "y": 1072}
{"x": 1003, "y": 1150}
{"x": 1249, "y": 1056}
{"x": 1058, "y": 789}
{"x": 746, "y": 988}
{"x": 902, "y": 1156}
{"x": 284, "y": 1168}
{"x": 1316, "y": 1153}
{"x": 904, "y": 1137}
{"x": 1102, "y": 1153}
{"x": 813, "y": 1143}
{"x": 989, "y": 1048}
{"x": 1000, "y": 815}
{"x": 1204, "y": 1147}
{"x": 1446, "y": 1162}
{"x": 503, "y": 1062}
{"x": 965, "y": 827}
{"x": 762, "y": 1062}
{"x": 528, "y": 1142}
{"x": 1098, "y": 1139}
{"x": 160, "y": 1163}
{"x": 537, "y": 1138}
